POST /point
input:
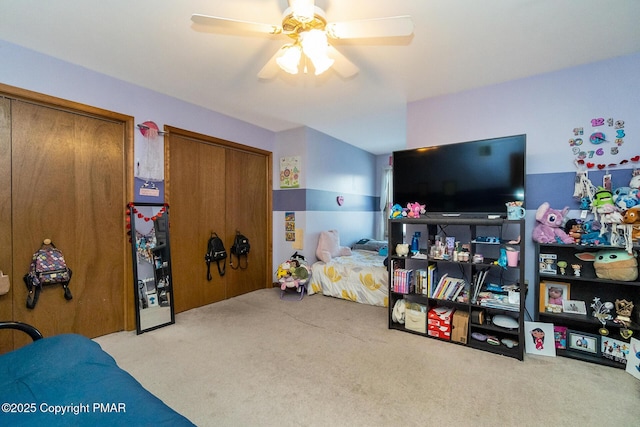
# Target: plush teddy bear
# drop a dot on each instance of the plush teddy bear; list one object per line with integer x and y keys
{"x": 415, "y": 209}
{"x": 549, "y": 228}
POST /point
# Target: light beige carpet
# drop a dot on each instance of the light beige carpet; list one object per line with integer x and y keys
{"x": 256, "y": 360}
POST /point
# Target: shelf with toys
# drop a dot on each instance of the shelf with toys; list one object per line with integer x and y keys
{"x": 460, "y": 282}
{"x": 587, "y": 275}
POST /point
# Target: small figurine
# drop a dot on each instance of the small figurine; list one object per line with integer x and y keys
{"x": 576, "y": 269}
{"x": 623, "y": 311}
{"x": 601, "y": 311}
{"x": 562, "y": 265}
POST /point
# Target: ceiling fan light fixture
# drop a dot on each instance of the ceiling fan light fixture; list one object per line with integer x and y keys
{"x": 303, "y": 10}
{"x": 315, "y": 46}
{"x": 289, "y": 58}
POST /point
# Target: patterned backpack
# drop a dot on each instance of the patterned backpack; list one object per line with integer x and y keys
{"x": 48, "y": 267}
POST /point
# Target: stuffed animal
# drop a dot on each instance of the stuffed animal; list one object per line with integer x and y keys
{"x": 632, "y": 217}
{"x": 635, "y": 179}
{"x": 604, "y": 206}
{"x": 625, "y": 198}
{"x": 397, "y": 211}
{"x": 549, "y": 226}
{"x": 292, "y": 273}
{"x": 415, "y": 209}
{"x": 613, "y": 264}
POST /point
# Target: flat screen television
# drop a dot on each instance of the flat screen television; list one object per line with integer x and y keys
{"x": 475, "y": 177}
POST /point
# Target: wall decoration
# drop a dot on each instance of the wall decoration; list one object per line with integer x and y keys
{"x": 290, "y": 172}
{"x": 600, "y": 143}
{"x": 290, "y": 226}
{"x": 150, "y": 159}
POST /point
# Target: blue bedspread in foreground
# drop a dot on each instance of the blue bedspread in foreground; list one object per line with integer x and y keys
{"x": 69, "y": 380}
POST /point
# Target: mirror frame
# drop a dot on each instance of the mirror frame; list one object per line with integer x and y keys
{"x": 159, "y": 257}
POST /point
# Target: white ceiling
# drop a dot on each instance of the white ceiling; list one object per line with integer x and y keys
{"x": 457, "y": 45}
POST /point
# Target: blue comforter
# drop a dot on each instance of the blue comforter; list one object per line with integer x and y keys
{"x": 69, "y": 380}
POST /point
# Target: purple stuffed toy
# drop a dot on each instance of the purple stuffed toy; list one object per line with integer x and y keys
{"x": 549, "y": 228}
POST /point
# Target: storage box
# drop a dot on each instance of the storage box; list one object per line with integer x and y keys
{"x": 415, "y": 320}
{"x": 443, "y": 331}
{"x": 440, "y": 316}
{"x": 460, "y": 327}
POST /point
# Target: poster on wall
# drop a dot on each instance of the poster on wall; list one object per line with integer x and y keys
{"x": 290, "y": 172}
{"x": 290, "y": 226}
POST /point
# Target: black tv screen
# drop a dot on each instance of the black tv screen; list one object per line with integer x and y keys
{"x": 475, "y": 177}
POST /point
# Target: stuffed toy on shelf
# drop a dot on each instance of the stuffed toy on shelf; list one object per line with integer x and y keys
{"x": 549, "y": 227}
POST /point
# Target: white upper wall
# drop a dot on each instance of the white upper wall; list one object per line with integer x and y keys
{"x": 545, "y": 107}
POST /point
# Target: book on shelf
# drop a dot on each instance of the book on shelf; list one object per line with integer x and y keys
{"x": 403, "y": 281}
{"x": 421, "y": 281}
{"x": 432, "y": 271}
{"x": 448, "y": 288}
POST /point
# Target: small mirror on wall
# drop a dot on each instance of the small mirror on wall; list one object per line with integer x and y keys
{"x": 152, "y": 278}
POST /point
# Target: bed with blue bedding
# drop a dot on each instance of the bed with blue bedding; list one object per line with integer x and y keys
{"x": 69, "y": 380}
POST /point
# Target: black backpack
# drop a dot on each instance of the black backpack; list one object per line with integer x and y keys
{"x": 48, "y": 267}
{"x": 215, "y": 252}
{"x": 240, "y": 248}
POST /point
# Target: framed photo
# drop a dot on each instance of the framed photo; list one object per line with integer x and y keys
{"x": 560, "y": 337}
{"x": 574, "y": 307}
{"x": 552, "y": 295}
{"x": 581, "y": 342}
{"x": 615, "y": 350}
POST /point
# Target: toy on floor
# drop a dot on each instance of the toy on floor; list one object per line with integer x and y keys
{"x": 293, "y": 273}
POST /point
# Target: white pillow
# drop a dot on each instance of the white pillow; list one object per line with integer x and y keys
{"x": 329, "y": 246}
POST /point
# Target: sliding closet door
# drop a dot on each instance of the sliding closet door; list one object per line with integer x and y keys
{"x": 197, "y": 202}
{"x": 6, "y": 304}
{"x": 246, "y": 177}
{"x": 216, "y": 186}
{"x": 68, "y": 185}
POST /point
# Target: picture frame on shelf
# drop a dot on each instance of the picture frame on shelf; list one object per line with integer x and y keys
{"x": 552, "y": 296}
{"x": 574, "y": 307}
{"x": 582, "y": 342}
{"x": 560, "y": 337}
{"x": 615, "y": 350}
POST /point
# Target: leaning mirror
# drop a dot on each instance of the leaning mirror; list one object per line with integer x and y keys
{"x": 151, "y": 265}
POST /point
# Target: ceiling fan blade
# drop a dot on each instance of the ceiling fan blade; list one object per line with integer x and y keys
{"x": 394, "y": 26}
{"x": 235, "y": 24}
{"x": 341, "y": 64}
{"x": 271, "y": 68}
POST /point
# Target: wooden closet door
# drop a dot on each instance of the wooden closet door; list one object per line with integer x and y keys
{"x": 6, "y": 302}
{"x": 246, "y": 178}
{"x": 68, "y": 184}
{"x": 197, "y": 204}
{"x": 219, "y": 186}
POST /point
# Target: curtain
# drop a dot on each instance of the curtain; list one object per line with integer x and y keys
{"x": 385, "y": 203}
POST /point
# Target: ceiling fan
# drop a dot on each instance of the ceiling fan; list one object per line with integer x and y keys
{"x": 307, "y": 26}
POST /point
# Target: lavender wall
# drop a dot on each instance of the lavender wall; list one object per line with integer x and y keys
{"x": 546, "y": 108}
{"x": 33, "y": 71}
{"x": 330, "y": 168}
